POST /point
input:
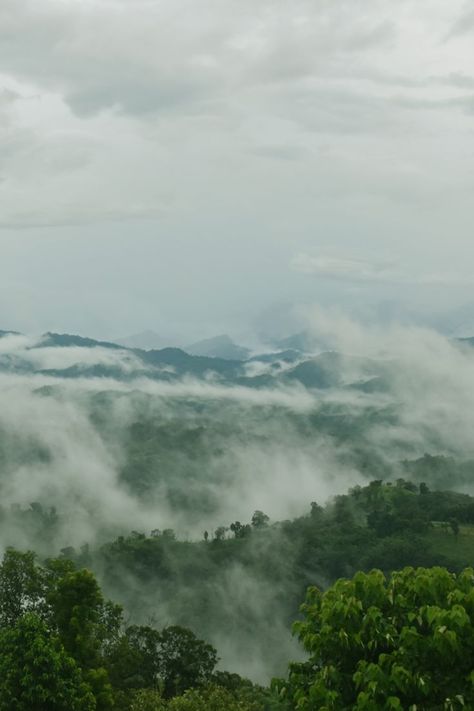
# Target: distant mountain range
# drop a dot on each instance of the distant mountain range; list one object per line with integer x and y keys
{"x": 90, "y": 358}
{"x": 106, "y": 359}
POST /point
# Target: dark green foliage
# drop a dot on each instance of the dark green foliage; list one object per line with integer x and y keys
{"x": 213, "y": 698}
{"x": 22, "y": 586}
{"x": 172, "y": 660}
{"x": 248, "y": 581}
{"x": 37, "y": 674}
{"x": 184, "y": 661}
{"x": 62, "y": 647}
{"x": 248, "y": 577}
{"x": 454, "y": 525}
{"x": 259, "y": 519}
{"x": 69, "y": 607}
{"x": 76, "y": 601}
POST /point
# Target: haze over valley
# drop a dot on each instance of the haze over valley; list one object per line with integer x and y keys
{"x": 98, "y": 440}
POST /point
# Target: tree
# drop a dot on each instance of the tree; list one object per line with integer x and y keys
{"x": 37, "y": 674}
{"x": 211, "y": 699}
{"x": 343, "y": 512}
{"x": 406, "y": 642}
{"x": 219, "y": 533}
{"x": 184, "y": 661}
{"x": 85, "y": 621}
{"x": 136, "y": 661}
{"x": 236, "y": 527}
{"x": 147, "y": 700}
{"x": 22, "y": 586}
{"x": 316, "y": 510}
{"x": 454, "y": 526}
{"x": 240, "y": 530}
{"x": 171, "y": 661}
{"x": 260, "y": 520}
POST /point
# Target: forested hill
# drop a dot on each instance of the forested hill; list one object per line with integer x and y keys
{"x": 241, "y": 585}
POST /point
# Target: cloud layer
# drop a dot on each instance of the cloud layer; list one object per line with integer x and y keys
{"x": 179, "y": 152}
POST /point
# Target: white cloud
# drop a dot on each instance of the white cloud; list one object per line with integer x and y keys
{"x": 355, "y": 270}
{"x": 340, "y": 268}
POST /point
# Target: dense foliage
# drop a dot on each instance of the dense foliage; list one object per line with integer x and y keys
{"x": 248, "y": 578}
{"x": 64, "y": 647}
{"x": 406, "y": 642}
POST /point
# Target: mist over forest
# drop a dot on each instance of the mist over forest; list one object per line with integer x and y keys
{"x": 162, "y": 451}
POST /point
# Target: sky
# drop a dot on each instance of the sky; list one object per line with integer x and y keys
{"x": 205, "y": 166}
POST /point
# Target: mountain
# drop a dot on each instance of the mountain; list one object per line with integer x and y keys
{"x": 218, "y": 347}
{"x": 333, "y": 369}
{"x": 145, "y": 340}
{"x": 304, "y": 342}
{"x": 90, "y": 358}
{"x": 183, "y": 363}
{"x": 288, "y": 356}
{"x": 66, "y": 340}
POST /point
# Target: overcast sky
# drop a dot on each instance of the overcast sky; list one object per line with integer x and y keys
{"x": 198, "y": 166}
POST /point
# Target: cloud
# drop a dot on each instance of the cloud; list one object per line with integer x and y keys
{"x": 214, "y": 142}
{"x": 355, "y": 270}
{"x": 337, "y": 268}
{"x": 462, "y": 26}
{"x": 171, "y": 57}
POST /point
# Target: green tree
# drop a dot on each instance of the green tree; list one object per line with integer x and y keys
{"x": 406, "y": 642}
{"x": 170, "y": 661}
{"x": 147, "y": 700}
{"x": 211, "y": 699}
{"x": 260, "y": 519}
{"x": 219, "y": 533}
{"x": 76, "y": 602}
{"x": 37, "y": 674}
{"x": 22, "y": 586}
{"x": 84, "y": 622}
{"x": 135, "y": 660}
{"x": 454, "y": 526}
{"x": 240, "y": 530}
{"x": 184, "y": 661}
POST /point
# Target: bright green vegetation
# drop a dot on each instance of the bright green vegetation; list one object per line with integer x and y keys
{"x": 457, "y": 549}
{"x": 377, "y": 643}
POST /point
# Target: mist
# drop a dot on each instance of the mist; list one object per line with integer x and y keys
{"x": 88, "y": 459}
{"x": 259, "y": 447}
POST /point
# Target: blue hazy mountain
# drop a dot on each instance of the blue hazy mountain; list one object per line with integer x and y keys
{"x": 327, "y": 369}
{"x": 218, "y": 347}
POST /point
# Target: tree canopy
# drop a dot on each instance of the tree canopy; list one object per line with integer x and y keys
{"x": 377, "y": 643}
